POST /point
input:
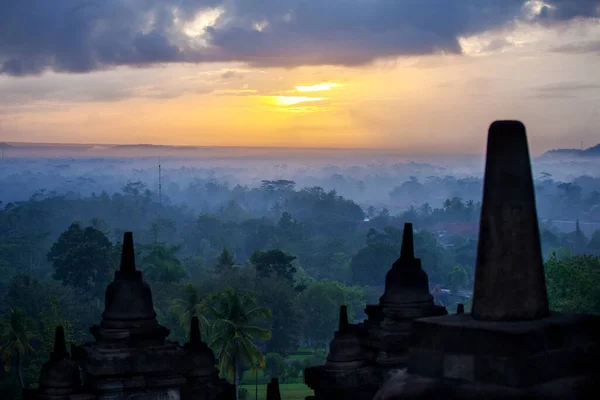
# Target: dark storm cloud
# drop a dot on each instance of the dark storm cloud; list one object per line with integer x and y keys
{"x": 85, "y": 35}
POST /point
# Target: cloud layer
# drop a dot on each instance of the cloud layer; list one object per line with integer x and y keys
{"x": 79, "y": 36}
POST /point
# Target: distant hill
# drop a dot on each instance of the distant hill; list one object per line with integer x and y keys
{"x": 589, "y": 152}
{"x": 592, "y": 151}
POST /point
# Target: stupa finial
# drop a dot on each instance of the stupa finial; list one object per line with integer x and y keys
{"x": 407, "y": 250}
{"x": 60, "y": 346}
{"x": 195, "y": 337}
{"x": 127, "y": 254}
{"x": 343, "y": 325}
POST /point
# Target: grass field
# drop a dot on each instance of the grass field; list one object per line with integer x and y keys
{"x": 249, "y": 377}
{"x": 289, "y": 391}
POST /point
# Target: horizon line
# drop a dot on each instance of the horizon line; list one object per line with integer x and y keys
{"x": 191, "y": 146}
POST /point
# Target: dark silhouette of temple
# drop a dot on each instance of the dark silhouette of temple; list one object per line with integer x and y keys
{"x": 130, "y": 357}
{"x": 509, "y": 346}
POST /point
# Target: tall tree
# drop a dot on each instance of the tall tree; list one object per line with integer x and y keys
{"x": 224, "y": 262}
{"x": 234, "y": 333}
{"x": 286, "y": 322}
{"x": 82, "y": 258}
{"x": 274, "y": 263}
{"x": 17, "y": 332}
{"x": 371, "y": 263}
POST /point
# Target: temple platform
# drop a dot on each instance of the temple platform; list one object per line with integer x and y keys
{"x": 513, "y": 354}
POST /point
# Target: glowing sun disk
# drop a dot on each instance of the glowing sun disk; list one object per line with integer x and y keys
{"x": 291, "y": 100}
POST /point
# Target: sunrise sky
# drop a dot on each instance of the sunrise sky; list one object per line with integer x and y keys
{"x": 413, "y": 75}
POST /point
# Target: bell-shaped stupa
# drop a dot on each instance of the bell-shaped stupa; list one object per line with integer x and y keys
{"x": 59, "y": 377}
{"x": 201, "y": 373}
{"x": 346, "y": 373}
{"x": 130, "y": 352}
{"x": 405, "y": 298}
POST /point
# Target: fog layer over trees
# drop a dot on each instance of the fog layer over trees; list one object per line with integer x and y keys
{"x": 293, "y": 233}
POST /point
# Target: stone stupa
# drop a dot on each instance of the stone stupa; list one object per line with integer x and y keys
{"x": 510, "y": 346}
{"x": 346, "y": 373}
{"x": 60, "y": 376}
{"x": 406, "y": 297}
{"x": 130, "y": 356}
{"x": 203, "y": 382}
{"x": 363, "y": 356}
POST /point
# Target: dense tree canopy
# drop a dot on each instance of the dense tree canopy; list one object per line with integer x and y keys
{"x": 573, "y": 283}
{"x": 300, "y": 249}
{"x": 82, "y": 258}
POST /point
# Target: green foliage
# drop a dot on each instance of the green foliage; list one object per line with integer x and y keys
{"x": 274, "y": 263}
{"x": 286, "y": 322}
{"x": 593, "y": 246}
{"x": 371, "y": 263}
{"x": 234, "y": 333}
{"x": 17, "y": 330}
{"x": 280, "y": 185}
{"x": 320, "y": 303}
{"x": 50, "y": 318}
{"x": 573, "y": 283}
{"x": 224, "y": 262}
{"x": 274, "y": 365}
{"x": 436, "y": 260}
{"x": 82, "y": 258}
{"x": 22, "y": 252}
{"x": 457, "y": 278}
{"x": 188, "y": 306}
{"x": 289, "y": 229}
{"x": 294, "y": 369}
{"x": 35, "y": 296}
{"x": 243, "y": 394}
{"x": 160, "y": 263}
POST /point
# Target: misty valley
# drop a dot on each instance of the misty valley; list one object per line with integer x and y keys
{"x": 285, "y": 237}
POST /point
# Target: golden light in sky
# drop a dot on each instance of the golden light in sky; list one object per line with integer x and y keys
{"x": 433, "y": 103}
{"x": 291, "y": 100}
{"x": 318, "y": 87}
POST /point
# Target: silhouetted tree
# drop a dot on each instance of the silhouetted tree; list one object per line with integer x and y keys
{"x": 82, "y": 258}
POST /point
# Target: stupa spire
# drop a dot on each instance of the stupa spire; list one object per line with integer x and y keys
{"x": 195, "y": 337}
{"x": 343, "y": 324}
{"x": 60, "y": 347}
{"x": 407, "y": 251}
{"x": 509, "y": 276}
{"x": 127, "y": 254}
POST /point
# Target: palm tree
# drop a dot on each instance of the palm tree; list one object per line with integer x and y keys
{"x": 234, "y": 335}
{"x": 15, "y": 336}
{"x": 188, "y": 306}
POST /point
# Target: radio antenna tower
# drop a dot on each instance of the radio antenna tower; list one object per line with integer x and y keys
{"x": 159, "y": 183}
